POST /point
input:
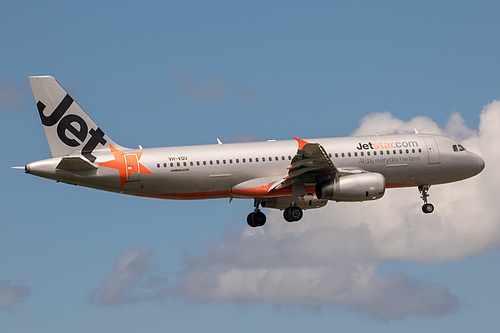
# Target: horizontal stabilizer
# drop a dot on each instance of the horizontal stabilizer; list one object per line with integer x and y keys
{"x": 75, "y": 163}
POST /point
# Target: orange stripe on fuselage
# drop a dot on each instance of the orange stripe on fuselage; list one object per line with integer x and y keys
{"x": 253, "y": 192}
{"x": 189, "y": 196}
{"x": 390, "y": 185}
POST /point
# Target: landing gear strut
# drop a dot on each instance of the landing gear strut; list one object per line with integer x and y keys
{"x": 427, "y": 208}
{"x": 293, "y": 213}
{"x": 256, "y": 218}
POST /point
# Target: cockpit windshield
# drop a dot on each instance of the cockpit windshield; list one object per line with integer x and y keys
{"x": 458, "y": 148}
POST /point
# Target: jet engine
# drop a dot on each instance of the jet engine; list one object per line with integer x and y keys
{"x": 356, "y": 187}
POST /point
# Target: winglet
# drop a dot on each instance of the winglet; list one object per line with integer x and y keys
{"x": 301, "y": 142}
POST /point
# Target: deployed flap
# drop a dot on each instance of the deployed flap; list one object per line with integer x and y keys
{"x": 257, "y": 187}
{"x": 311, "y": 160}
{"x": 75, "y": 163}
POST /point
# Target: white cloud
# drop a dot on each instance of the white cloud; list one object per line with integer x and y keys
{"x": 386, "y": 123}
{"x": 133, "y": 279}
{"x": 331, "y": 258}
{"x": 213, "y": 91}
{"x": 12, "y": 97}
{"x": 10, "y": 295}
{"x": 249, "y": 96}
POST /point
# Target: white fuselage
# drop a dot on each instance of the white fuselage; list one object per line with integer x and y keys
{"x": 212, "y": 171}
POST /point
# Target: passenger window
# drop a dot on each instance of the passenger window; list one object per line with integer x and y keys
{"x": 368, "y": 153}
{"x": 381, "y": 152}
{"x": 283, "y": 158}
{"x": 413, "y": 151}
{"x": 185, "y": 164}
{"x": 343, "y": 155}
{"x": 256, "y": 159}
{"x": 407, "y": 151}
{"x": 204, "y": 162}
{"x": 250, "y": 160}
{"x": 336, "y": 154}
{"x": 355, "y": 154}
{"x": 230, "y": 161}
{"x": 330, "y": 155}
{"x": 400, "y": 151}
{"x": 158, "y": 165}
{"x": 243, "y": 160}
{"x": 211, "y": 162}
{"x": 197, "y": 162}
{"x": 178, "y": 164}
{"x": 164, "y": 165}
{"x": 394, "y": 152}
{"x": 374, "y": 153}
{"x": 276, "y": 158}
{"x": 171, "y": 165}
{"x": 362, "y": 154}
{"x": 237, "y": 160}
{"x": 420, "y": 150}
{"x": 223, "y": 161}
{"x": 263, "y": 159}
{"x": 388, "y": 152}
{"x": 217, "y": 161}
{"x": 349, "y": 154}
{"x": 270, "y": 159}
{"x": 289, "y": 157}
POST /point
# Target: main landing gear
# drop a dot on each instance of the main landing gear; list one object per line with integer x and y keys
{"x": 427, "y": 208}
{"x": 256, "y": 218}
{"x": 293, "y": 213}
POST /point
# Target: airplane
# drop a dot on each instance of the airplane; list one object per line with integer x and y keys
{"x": 290, "y": 175}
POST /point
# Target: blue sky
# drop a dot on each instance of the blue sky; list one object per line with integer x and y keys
{"x": 173, "y": 73}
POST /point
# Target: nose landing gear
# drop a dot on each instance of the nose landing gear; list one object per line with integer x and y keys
{"x": 427, "y": 208}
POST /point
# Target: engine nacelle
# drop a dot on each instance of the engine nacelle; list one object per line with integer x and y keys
{"x": 357, "y": 187}
{"x": 304, "y": 202}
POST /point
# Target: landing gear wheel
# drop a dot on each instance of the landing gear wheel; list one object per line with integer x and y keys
{"x": 293, "y": 214}
{"x": 250, "y": 219}
{"x": 256, "y": 219}
{"x": 428, "y": 208}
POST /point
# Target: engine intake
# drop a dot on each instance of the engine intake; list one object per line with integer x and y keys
{"x": 357, "y": 187}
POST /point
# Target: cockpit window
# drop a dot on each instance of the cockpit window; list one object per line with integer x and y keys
{"x": 461, "y": 148}
{"x": 458, "y": 148}
{"x": 455, "y": 148}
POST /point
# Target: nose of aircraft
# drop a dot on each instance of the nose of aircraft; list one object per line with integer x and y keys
{"x": 480, "y": 164}
{"x": 476, "y": 164}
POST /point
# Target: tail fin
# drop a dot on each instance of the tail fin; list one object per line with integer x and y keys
{"x": 68, "y": 128}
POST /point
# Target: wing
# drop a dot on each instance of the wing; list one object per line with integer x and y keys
{"x": 310, "y": 165}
